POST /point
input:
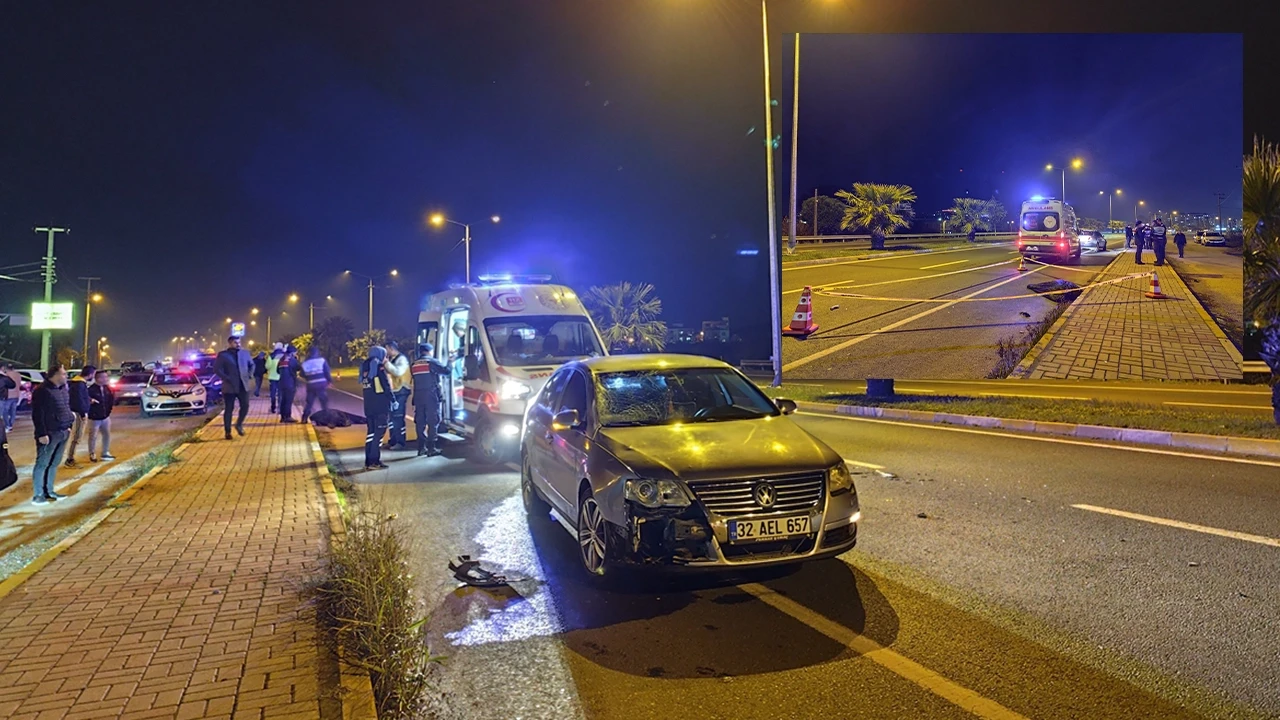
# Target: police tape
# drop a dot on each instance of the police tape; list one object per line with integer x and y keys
{"x": 1063, "y": 291}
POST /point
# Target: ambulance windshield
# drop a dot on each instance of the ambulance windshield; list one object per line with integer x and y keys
{"x": 541, "y": 339}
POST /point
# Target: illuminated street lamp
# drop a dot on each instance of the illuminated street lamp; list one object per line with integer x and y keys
{"x": 1076, "y": 164}
{"x": 1135, "y": 209}
{"x": 393, "y": 273}
{"x": 1110, "y": 197}
{"x": 439, "y": 220}
{"x": 90, "y": 298}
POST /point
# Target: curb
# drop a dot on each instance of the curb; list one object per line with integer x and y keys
{"x": 1218, "y": 332}
{"x": 357, "y": 689}
{"x": 1029, "y": 360}
{"x": 15, "y": 580}
{"x": 1165, "y": 438}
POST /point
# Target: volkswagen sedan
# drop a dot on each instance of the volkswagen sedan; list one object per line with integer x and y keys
{"x": 679, "y": 460}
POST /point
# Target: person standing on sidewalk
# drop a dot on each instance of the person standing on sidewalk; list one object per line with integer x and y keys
{"x": 397, "y": 366}
{"x": 427, "y": 371}
{"x": 1180, "y": 239}
{"x": 78, "y": 388}
{"x": 315, "y": 369}
{"x": 1139, "y": 242}
{"x": 10, "y": 389}
{"x": 289, "y": 368}
{"x": 259, "y": 370}
{"x": 1128, "y": 236}
{"x": 234, "y": 367}
{"x": 376, "y": 389}
{"x": 101, "y": 400}
{"x": 272, "y": 365}
{"x": 1158, "y": 240}
{"x": 52, "y": 417}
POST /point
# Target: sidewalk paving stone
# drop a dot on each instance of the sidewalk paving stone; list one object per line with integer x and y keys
{"x": 183, "y": 603}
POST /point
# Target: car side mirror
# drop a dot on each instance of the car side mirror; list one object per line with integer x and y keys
{"x": 566, "y": 420}
{"x": 786, "y": 406}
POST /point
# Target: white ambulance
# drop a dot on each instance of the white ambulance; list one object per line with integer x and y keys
{"x": 1048, "y": 227}
{"x": 502, "y": 338}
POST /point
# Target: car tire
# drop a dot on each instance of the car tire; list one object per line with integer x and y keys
{"x": 145, "y": 414}
{"x": 484, "y": 444}
{"x": 534, "y": 505}
{"x": 595, "y": 543}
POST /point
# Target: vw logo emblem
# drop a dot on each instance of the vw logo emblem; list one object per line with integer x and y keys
{"x": 765, "y": 495}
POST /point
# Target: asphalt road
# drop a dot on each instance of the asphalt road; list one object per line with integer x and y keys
{"x": 1003, "y": 600}
{"x": 26, "y": 528}
{"x": 1216, "y": 277}
{"x": 914, "y": 333}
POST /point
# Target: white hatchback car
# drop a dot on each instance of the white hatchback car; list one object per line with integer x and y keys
{"x": 172, "y": 392}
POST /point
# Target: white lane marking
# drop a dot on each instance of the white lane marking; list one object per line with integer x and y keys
{"x": 895, "y": 256}
{"x": 1041, "y": 438}
{"x": 953, "y": 262}
{"x": 1247, "y": 537}
{"x": 851, "y": 284}
{"x": 1219, "y": 405}
{"x": 891, "y": 326}
{"x": 890, "y": 660}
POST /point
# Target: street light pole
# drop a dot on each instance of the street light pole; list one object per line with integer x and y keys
{"x": 466, "y": 240}
{"x": 370, "y": 305}
{"x": 47, "y": 336}
{"x": 88, "y": 312}
{"x": 795, "y": 135}
{"x": 775, "y": 282}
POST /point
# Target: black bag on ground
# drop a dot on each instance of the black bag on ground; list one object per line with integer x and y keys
{"x": 330, "y": 418}
{"x": 8, "y": 471}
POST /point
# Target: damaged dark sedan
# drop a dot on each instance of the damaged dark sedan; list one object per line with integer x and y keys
{"x": 680, "y": 460}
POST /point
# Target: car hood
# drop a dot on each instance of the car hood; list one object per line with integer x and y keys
{"x": 715, "y": 450}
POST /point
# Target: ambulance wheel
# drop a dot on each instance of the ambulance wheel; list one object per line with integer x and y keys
{"x": 484, "y": 445}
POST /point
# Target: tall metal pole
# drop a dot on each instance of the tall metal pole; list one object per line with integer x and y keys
{"x": 1064, "y": 185}
{"x": 268, "y": 329}
{"x": 815, "y": 214}
{"x": 775, "y": 282}
{"x": 795, "y": 135}
{"x": 311, "y": 315}
{"x": 47, "y": 336}
{"x": 466, "y": 240}
{"x": 370, "y": 304}
{"x": 88, "y": 312}
{"x": 1110, "y": 214}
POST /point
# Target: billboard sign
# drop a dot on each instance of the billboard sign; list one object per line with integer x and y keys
{"x": 52, "y": 315}
{"x": 237, "y": 329}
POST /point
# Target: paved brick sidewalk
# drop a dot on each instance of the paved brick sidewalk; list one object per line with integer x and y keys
{"x": 183, "y": 603}
{"x": 1114, "y": 332}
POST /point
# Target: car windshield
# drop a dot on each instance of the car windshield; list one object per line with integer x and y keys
{"x": 174, "y": 379}
{"x": 541, "y": 339}
{"x": 664, "y": 397}
{"x": 135, "y": 379}
{"x": 1040, "y": 221}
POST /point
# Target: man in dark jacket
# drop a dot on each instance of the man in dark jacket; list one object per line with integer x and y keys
{"x": 101, "y": 400}
{"x": 78, "y": 394}
{"x": 10, "y": 388}
{"x": 234, "y": 368}
{"x": 1180, "y": 239}
{"x": 377, "y": 405}
{"x": 288, "y": 369}
{"x": 1140, "y": 233}
{"x": 1157, "y": 240}
{"x": 1128, "y": 236}
{"x": 427, "y": 371}
{"x": 52, "y": 417}
{"x": 259, "y": 372}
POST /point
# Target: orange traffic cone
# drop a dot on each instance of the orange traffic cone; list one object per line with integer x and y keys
{"x": 1022, "y": 264}
{"x": 802, "y": 323}
{"x": 1154, "y": 292}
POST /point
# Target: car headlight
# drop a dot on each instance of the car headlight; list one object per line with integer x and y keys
{"x": 151, "y": 393}
{"x": 514, "y": 390}
{"x": 839, "y": 480}
{"x": 657, "y": 493}
{"x": 199, "y": 389}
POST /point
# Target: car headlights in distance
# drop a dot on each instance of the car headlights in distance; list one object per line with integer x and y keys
{"x": 657, "y": 493}
{"x": 514, "y": 390}
{"x": 839, "y": 480}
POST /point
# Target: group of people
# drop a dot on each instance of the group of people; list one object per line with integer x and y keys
{"x": 282, "y": 370}
{"x": 61, "y": 409}
{"x": 1154, "y": 237}
{"x": 388, "y": 381}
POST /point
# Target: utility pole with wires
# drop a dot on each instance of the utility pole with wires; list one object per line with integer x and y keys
{"x": 88, "y": 311}
{"x": 49, "y": 280}
{"x": 1220, "y": 197}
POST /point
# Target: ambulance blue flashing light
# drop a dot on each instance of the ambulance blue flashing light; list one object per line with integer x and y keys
{"x": 1037, "y": 198}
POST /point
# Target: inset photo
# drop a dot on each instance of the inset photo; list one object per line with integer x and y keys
{"x": 1052, "y": 207}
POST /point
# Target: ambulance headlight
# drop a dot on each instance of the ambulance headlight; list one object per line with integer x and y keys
{"x": 514, "y": 390}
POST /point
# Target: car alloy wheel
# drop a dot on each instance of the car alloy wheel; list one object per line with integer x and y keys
{"x": 593, "y": 536}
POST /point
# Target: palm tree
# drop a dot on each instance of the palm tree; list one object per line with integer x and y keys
{"x": 878, "y": 209}
{"x": 970, "y": 216}
{"x": 1261, "y": 195}
{"x": 332, "y": 336}
{"x": 627, "y": 316}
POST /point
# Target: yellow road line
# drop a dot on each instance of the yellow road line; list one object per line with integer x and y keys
{"x": 1042, "y": 438}
{"x": 891, "y": 326}
{"x": 890, "y": 660}
{"x": 1247, "y": 537}
{"x": 1219, "y": 405}
{"x": 953, "y": 262}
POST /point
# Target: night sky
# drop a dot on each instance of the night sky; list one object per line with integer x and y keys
{"x": 214, "y": 157}
{"x": 1157, "y": 116}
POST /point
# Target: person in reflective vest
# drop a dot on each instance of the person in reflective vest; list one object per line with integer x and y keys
{"x": 376, "y": 389}
{"x": 427, "y": 372}
{"x": 316, "y": 371}
{"x": 1158, "y": 239}
{"x": 273, "y": 376}
{"x": 288, "y": 369}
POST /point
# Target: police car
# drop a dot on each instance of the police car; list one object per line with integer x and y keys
{"x": 174, "y": 392}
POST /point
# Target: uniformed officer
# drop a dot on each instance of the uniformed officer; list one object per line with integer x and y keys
{"x": 427, "y": 372}
{"x": 377, "y": 405}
